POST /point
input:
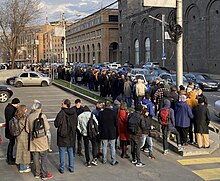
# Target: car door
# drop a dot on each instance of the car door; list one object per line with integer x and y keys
{"x": 35, "y": 79}
{"x": 24, "y": 78}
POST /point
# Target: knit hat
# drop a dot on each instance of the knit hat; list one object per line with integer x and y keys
{"x": 15, "y": 101}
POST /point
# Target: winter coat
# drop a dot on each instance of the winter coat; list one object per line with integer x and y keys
{"x": 149, "y": 105}
{"x": 71, "y": 118}
{"x": 148, "y": 123}
{"x": 38, "y": 144}
{"x": 83, "y": 119}
{"x": 140, "y": 88}
{"x": 122, "y": 125}
{"x": 9, "y": 114}
{"x": 183, "y": 114}
{"x": 201, "y": 119}
{"x": 128, "y": 89}
{"x": 23, "y": 156}
{"x": 167, "y": 105}
{"x": 107, "y": 124}
{"x": 192, "y": 101}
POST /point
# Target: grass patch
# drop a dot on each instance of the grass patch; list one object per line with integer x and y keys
{"x": 80, "y": 90}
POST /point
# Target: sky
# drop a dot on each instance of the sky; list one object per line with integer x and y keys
{"x": 73, "y": 9}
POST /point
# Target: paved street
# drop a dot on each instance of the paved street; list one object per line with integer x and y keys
{"x": 166, "y": 168}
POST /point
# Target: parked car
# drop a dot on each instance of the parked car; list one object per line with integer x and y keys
{"x": 158, "y": 72}
{"x": 136, "y": 71}
{"x": 204, "y": 81}
{"x": 146, "y": 78}
{"x": 171, "y": 79}
{"x": 5, "y": 93}
{"x": 151, "y": 64}
{"x": 114, "y": 66}
{"x": 32, "y": 78}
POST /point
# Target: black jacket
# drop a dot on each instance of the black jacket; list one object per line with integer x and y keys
{"x": 146, "y": 124}
{"x": 201, "y": 119}
{"x": 71, "y": 119}
{"x": 107, "y": 124}
{"x": 9, "y": 114}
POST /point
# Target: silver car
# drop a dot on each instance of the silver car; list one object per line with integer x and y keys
{"x": 32, "y": 78}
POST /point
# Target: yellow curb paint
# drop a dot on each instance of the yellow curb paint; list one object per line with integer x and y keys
{"x": 197, "y": 161}
{"x": 208, "y": 174}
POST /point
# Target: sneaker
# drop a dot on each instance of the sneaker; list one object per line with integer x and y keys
{"x": 36, "y": 176}
{"x": 146, "y": 150}
{"x": 134, "y": 161}
{"x": 151, "y": 157}
{"x": 180, "y": 148}
{"x": 165, "y": 152}
{"x": 116, "y": 163}
{"x": 140, "y": 164}
{"x": 25, "y": 171}
{"x": 49, "y": 176}
{"x": 88, "y": 164}
{"x": 104, "y": 162}
{"x": 50, "y": 150}
{"x": 94, "y": 162}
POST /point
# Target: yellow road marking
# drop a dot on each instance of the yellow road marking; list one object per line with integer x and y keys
{"x": 195, "y": 161}
{"x": 208, "y": 174}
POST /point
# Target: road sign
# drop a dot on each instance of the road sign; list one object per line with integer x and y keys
{"x": 164, "y": 56}
{"x": 160, "y": 3}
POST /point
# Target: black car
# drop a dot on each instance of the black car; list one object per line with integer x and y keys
{"x": 204, "y": 81}
{"x": 11, "y": 80}
{"x": 5, "y": 93}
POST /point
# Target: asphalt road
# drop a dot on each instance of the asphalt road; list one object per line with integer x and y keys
{"x": 166, "y": 168}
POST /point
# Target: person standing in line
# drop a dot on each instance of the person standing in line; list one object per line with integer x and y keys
{"x": 23, "y": 156}
{"x": 10, "y": 110}
{"x": 66, "y": 122}
{"x": 79, "y": 109}
{"x": 201, "y": 121}
{"x": 122, "y": 129}
{"x": 39, "y": 146}
{"x": 128, "y": 92}
{"x": 108, "y": 126}
{"x": 82, "y": 126}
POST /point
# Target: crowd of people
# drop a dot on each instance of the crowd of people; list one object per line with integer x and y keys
{"x": 183, "y": 113}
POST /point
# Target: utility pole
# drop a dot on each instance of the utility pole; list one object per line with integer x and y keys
{"x": 63, "y": 23}
{"x": 163, "y": 40}
{"x": 179, "y": 48}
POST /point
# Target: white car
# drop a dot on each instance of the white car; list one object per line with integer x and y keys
{"x": 32, "y": 78}
{"x": 151, "y": 64}
{"x": 114, "y": 66}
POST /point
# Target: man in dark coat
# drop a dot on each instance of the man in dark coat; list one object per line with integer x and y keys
{"x": 66, "y": 140}
{"x": 10, "y": 110}
{"x": 201, "y": 122}
{"x": 107, "y": 132}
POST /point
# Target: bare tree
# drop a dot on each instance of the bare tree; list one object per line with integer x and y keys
{"x": 14, "y": 16}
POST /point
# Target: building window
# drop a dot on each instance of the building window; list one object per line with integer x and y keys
{"x": 147, "y": 50}
{"x": 136, "y": 45}
{"x": 113, "y": 18}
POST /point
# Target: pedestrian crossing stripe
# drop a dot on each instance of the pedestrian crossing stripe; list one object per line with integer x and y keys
{"x": 208, "y": 174}
{"x": 197, "y": 161}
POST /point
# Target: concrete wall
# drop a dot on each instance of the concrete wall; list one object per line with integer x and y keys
{"x": 8, "y": 73}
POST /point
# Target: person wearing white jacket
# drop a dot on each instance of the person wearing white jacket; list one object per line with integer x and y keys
{"x": 83, "y": 119}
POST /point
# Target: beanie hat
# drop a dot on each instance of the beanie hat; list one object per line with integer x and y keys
{"x": 15, "y": 101}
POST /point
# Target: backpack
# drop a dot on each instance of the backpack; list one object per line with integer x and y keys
{"x": 38, "y": 127}
{"x": 164, "y": 115}
{"x": 63, "y": 128}
{"x": 92, "y": 128}
{"x": 133, "y": 123}
{"x": 14, "y": 127}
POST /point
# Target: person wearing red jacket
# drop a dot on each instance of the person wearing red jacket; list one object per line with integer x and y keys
{"x": 122, "y": 129}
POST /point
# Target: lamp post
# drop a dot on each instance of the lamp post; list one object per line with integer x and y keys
{"x": 163, "y": 36}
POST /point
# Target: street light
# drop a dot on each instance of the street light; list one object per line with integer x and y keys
{"x": 163, "y": 35}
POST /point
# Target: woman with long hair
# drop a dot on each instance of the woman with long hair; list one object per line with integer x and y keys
{"x": 22, "y": 154}
{"x": 122, "y": 129}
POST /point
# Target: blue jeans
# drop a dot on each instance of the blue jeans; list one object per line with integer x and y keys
{"x": 112, "y": 150}
{"x": 62, "y": 151}
{"x": 128, "y": 100}
{"x": 149, "y": 142}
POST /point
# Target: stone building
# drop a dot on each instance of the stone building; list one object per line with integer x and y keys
{"x": 140, "y": 36}
{"x": 94, "y": 39}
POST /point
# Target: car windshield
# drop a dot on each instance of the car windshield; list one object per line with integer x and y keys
{"x": 174, "y": 78}
{"x": 202, "y": 77}
{"x": 151, "y": 78}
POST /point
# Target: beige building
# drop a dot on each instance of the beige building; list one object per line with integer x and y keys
{"x": 94, "y": 39}
{"x": 40, "y": 43}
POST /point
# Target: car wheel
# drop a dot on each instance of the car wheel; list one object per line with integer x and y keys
{"x": 44, "y": 84}
{"x": 19, "y": 84}
{"x": 4, "y": 96}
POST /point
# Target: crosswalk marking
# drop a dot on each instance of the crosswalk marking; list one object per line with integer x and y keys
{"x": 196, "y": 161}
{"x": 208, "y": 174}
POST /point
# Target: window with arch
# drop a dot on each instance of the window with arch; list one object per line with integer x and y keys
{"x": 137, "y": 49}
{"x": 147, "y": 50}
